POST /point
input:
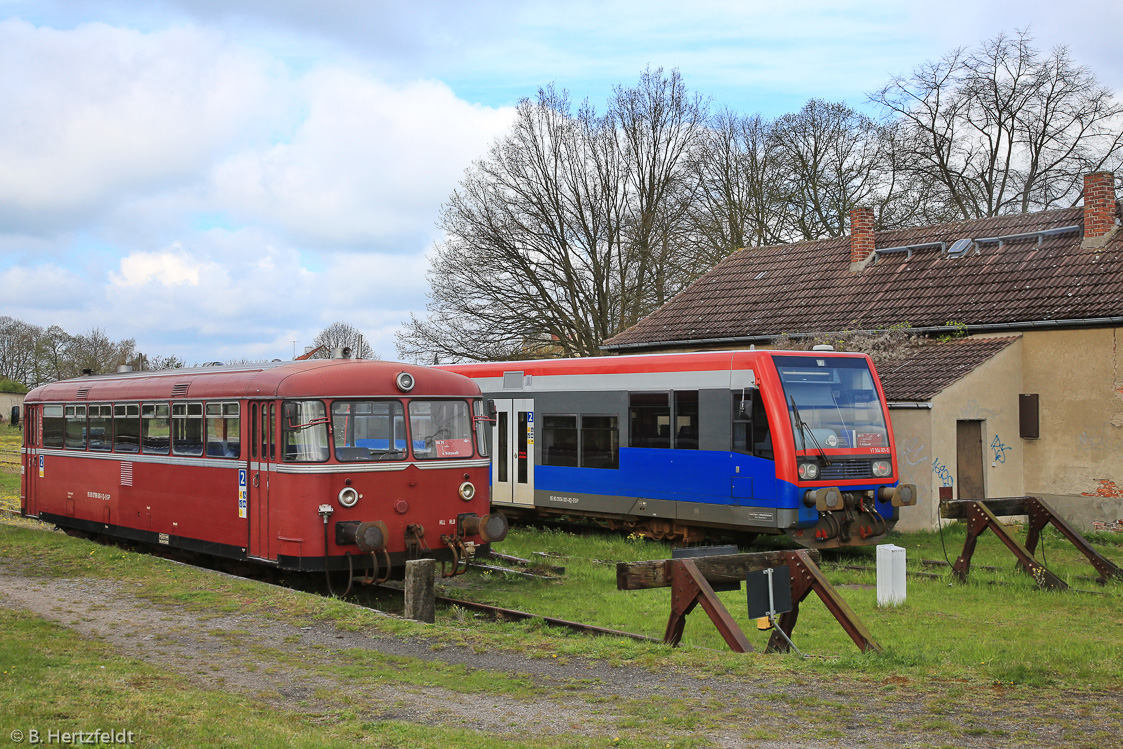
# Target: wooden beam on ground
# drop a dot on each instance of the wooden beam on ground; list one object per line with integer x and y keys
{"x": 722, "y": 568}
{"x": 956, "y": 509}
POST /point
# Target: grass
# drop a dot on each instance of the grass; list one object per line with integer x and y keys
{"x": 995, "y": 637}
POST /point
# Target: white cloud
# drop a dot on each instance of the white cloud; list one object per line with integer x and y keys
{"x": 369, "y": 165}
{"x": 167, "y": 268}
{"x": 98, "y": 112}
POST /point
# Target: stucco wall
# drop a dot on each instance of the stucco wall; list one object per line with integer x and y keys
{"x": 988, "y": 394}
{"x": 912, "y": 434}
{"x": 7, "y": 400}
{"x": 1077, "y": 465}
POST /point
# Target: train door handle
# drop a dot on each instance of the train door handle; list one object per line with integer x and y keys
{"x": 255, "y": 481}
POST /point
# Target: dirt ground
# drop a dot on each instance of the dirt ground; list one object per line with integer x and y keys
{"x": 263, "y": 658}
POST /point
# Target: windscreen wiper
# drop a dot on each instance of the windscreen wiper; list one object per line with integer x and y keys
{"x": 805, "y": 430}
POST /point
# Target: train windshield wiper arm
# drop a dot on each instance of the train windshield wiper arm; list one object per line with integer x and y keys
{"x": 805, "y": 430}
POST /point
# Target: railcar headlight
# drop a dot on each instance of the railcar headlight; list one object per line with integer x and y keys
{"x": 348, "y": 496}
{"x": 467, "y": 491}
{"x": 809, "y": 471}
{"x": 882, "y": 468}
{"x": 404, "y": 381}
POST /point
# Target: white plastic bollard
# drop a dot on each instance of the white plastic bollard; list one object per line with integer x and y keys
{"x": 890, "y": 575}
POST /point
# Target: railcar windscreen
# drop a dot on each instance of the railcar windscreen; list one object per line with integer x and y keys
{"x": 368, "y": 430}
{"x": 304, "y": 433}
{"x": 440, "y": 429}
{"x": 833, "y": 402}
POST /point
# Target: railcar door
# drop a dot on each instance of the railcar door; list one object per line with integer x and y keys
{"x": 512, "y": 467}
{"x": 263, "y": 452}
{"x": 29, "y": 468}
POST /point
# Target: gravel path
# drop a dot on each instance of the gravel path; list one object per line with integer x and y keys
{"x": 271, "y": 661}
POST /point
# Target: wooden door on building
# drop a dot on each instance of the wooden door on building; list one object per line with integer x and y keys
{"x": 969, "y": 459}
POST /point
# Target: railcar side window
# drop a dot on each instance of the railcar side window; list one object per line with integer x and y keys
{"x": 304, "y": 432}
{"x": 187, "y": 428}
{"x": 54, "y": 427}
{"x": 483, "y": 428}
{"x": 686, "y": 420}
{"x": 101, "y": 427}
{"x": 75, "y": 427}
{"x": 440, "y": 429}
{"x": 368, "y": 430}
{"x": 559, "y": 440}
{"x": 649, "y": 420}
{"x": 155, "y": 428}
{"x": 126, "y": 428}
{"x": 751, "y": 434}
{"x": 224, "y": 430}
{"x": 600, "y": 442}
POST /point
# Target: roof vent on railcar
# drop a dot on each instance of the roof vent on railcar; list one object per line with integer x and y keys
{"x": 822, "y": 347}
{"x": 123, "y": 368}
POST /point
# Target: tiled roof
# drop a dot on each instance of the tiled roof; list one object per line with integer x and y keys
{"x": 930, "y": 369}
{"x": 808, "y": 287}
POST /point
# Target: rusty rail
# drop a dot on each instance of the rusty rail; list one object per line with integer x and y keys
{"x": 691, "y": 579}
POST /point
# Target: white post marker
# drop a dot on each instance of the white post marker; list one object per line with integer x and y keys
{"x": 890, "y": 575}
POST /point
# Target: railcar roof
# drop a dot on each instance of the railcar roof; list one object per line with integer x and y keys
{"x": 639, "y": 363}
{"x": 330, "y": 378}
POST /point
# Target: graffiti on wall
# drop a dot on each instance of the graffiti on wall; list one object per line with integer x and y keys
{"x": 999, "y": 449}
{"x": 913, "y": 451}
{"x": 1104, "y": 438}
{"x": 942, "y": 472}
{"x": 973, "y": 410}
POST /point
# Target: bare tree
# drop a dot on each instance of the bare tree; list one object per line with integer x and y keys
{"x": 834, "y": 162}
{"x": 342, "y": 335}
{"x": 1004, "y": 129}
{"x": 657, "y": 125}
{"x": 17, "y": 350}
{"x": 741, "y": 196}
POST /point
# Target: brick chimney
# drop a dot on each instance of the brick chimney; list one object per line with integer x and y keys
{"x": 861, "y": 237}
{"x": 1099, "y": 208}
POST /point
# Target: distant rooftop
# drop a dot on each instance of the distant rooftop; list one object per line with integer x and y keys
{"x": 932, "y": 368}
{"x": 1016, "y": 284}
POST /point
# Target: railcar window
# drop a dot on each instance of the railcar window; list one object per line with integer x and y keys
{"x": 600, "y": 442}
{"x": 440, "y": 429}
{"x": 483, "y": 428}
{"x": 559, "y": 440}
{"x": 649, "y": 420}
{"x": 304, "y": 432}
{"x": 101, "y": 427}
{"x": 75, "y": 427}
{"x": 155, "y": 428}
{"x": 224, "y": 430}
{"x": 54, "y": 426}
{"x": 126, "y": 428}
{"x": 832, "y": 402}
{"x": 187, "y": 428}
{"x": 751, "y": 434}
{"x": 368, "y": 430}
{"x": 686, "y": 420}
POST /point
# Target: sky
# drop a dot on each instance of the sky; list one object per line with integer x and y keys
{"x": 222, "y": 179}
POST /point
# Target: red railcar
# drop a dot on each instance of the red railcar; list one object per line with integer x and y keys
{"x": 306, "y": 465}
